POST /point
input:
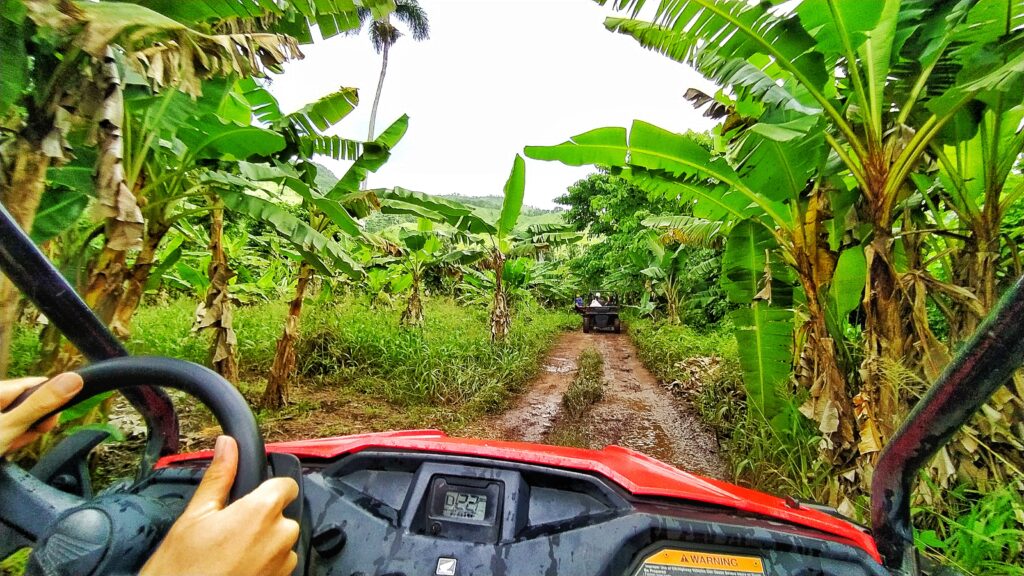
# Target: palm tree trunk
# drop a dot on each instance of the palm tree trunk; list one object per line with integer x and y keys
{"x": 886, "y": 333}
{"x": 376, "y": 98}
{"x": 218, "y": 313}
{"x": 276, "y": 393}
{"x": 138, "y": 275}
{"x": 501, "y": 321}
{"x": 20, "y": 191}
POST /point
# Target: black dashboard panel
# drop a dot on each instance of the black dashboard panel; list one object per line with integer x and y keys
{"x": 389, "y": 513}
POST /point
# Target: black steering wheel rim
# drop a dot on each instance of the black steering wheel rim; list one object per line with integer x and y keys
{"x": 224, "y": 401}
{"x": 28, "y": 505}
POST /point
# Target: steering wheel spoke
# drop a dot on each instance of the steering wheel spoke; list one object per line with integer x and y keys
{"x": 28, "y": 505}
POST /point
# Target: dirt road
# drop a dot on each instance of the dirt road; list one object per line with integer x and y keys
{"x": 636, "y": 412}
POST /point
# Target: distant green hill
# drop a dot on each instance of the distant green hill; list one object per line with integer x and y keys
{"x": 487, "y": 207}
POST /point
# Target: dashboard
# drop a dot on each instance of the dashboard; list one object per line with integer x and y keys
{"x": 393, "y": 513}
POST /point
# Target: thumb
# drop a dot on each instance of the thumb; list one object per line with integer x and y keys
{"x": 53, "y": 394}
{"x": 212, "y": 493}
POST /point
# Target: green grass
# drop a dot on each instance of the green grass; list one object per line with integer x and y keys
{"x": 357, "y": 371}
{"x": 14, "y": 565}
{"x": 166, "y": 330}
{"x": 666, "y": 349}
{"x": 973, "y": 532}
{"x": 759, "y": 455}
{"x": 449, "y": 361}
{"x": 587, "y": 387}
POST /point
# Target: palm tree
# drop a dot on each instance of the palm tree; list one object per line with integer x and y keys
{"x": 383, "y": 35}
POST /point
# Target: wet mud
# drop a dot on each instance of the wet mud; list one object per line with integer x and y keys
{"x": 636, "y": 411}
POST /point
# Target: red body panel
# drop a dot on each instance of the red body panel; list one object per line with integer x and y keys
{"x": 638, "y": 474}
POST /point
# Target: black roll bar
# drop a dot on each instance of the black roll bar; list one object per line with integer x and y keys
{"x": 33, "y": 274}
{"x": 983, "y": 365}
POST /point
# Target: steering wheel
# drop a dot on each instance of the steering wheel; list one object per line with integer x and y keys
{"x": 115, "y": 533}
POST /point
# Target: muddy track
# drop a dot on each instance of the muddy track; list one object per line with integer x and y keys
{"x": 636, "y": 412}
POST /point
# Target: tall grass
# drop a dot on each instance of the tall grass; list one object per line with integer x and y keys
{"x": 165, "y": 329}
{"x": 585, "y": 390}
{"x": 450, "y": 360}
{"x": 665, "y": 349}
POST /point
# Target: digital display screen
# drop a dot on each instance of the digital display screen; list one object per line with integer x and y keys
{"x": 464, "y": 505}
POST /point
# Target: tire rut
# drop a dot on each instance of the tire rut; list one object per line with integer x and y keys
{"x": 635, "y": 412}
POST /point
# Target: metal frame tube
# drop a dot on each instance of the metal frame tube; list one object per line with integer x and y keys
{"x": 987, "y": 362}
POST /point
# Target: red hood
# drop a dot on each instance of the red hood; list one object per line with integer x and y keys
{"x": 638, "y": 474}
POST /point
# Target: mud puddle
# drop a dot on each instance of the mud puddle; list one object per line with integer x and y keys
{"x": 636, "y": 412}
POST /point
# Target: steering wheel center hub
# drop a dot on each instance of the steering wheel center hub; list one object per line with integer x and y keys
{"x": 112, "y": 534}
{"x": 78, "y": 544}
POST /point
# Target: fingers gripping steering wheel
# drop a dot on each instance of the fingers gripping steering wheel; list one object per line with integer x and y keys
{"x": 115, "y": 533}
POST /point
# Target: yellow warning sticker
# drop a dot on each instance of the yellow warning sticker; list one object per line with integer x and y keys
{"x": 671, "y": 562}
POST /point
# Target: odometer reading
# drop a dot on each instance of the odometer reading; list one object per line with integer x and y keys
{"x": 464, "y": 506}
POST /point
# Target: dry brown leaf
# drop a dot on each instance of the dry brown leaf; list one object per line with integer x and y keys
{"x": 766, "y": 292}
{"x": 870, "y": 438}
{"x": 115, "y": 202}
{"x": 942, "y": 467}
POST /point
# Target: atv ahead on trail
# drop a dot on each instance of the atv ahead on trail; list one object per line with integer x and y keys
{"x": 421, "y": 503}
{"x": 602, "y": 317}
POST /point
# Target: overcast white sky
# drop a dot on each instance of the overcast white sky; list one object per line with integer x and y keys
{"x": 495, "y": 76}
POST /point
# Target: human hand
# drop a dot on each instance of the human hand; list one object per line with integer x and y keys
{"x": 21, "y": 426}
{"x": 250, "y": 536}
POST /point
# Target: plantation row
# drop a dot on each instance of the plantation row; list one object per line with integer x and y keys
{"x": 842, "y": 231}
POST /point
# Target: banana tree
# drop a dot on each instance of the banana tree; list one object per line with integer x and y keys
{"x": 312, "y": 242}
{"x": 665, "y": 270}
{"x": 499, "y": 235}
{"x": 539, "y": 240}
{"x": 974, "y": 165}
{"x": 511, "y": 206}
{"x": 170, "y": 140}
{"x": 422, "y": 250}
{"x": 243, "y": 190}
{"x": 60, "y": 77}
{"x": 173, "y": 142}
{"x": 328, "y": 218}
{"x": 885, "y": 80}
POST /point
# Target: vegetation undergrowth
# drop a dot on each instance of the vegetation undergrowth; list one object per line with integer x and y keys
{"x": 16, "y": 563}
{"x": 714, "y": 387}
{"x": 587, "y": 387}
{"x": 448, "y": 361}
{"x": 585, "y": 390}
{"x": 959, "y": 527}
{"x": 391, "y": 375}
